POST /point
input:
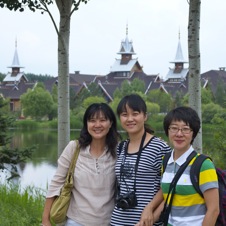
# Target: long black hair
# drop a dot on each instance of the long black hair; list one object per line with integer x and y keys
{"x": 136, "y": 103}
{"x": 112, "y": 137}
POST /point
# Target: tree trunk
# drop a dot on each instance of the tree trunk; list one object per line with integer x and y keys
{"x": 194, "y": 65}
{"x": 63, "y": 75}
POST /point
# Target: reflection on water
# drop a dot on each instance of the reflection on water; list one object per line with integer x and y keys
{"x": 40, "y": 169}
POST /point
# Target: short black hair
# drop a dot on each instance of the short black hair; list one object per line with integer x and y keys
{"x": 185, "y": 114}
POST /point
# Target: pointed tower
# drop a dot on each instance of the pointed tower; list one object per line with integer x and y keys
{"x": 125, "y": 66}
{"x": 15, "y": 64}
{"x": 178, "y": 73}
{"x": 126, "y": 49}
{"x": 15, "y": 75}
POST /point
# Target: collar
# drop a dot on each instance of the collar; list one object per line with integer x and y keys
{"x": 87, "y": 151}
{"x": 182, "y": 158}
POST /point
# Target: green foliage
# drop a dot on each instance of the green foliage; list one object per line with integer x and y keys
{"x": 91, "y": 100}
{"x": 54, "y": 93}
{"x": 20, "y": 208}
{"x": 217, "y": 148}
{"x": 161, "y": 98}
{"x": 136, "y": 86}
{"x": 37, "y": 103}
{"x": 220, "y": 95}
{"x": 91, "y": 91}
{"x": 178, "y": 100}
{"x": 219, "y": 117}
{"x": 207, "y": 96}
{"x": 152, "y": 108}
{"x": 208, "y": 112}
{"x": 114, "y": 104}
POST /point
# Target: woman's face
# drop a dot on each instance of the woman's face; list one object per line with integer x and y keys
{"x": 132, "y": 121}
{"x": 180, "y": 136}
{"x": 98, "y": 126}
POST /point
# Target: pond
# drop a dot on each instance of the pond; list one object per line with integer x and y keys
{"x": 40, "y": 169}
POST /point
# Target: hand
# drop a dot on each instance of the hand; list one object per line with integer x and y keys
{"x": 46, "y": 223}
{"x": 147, "y": 217}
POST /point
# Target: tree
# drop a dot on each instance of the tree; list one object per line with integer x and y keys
{"x": 10, "y": 157}
{"x": 66, "y": 9}
{"x": 91, "y": 100}
{"x": 194, "y": 78}
{"x": 128, "y": 87}
{"x": 92, "y": 89}
{"x": 37, "y": 103}
{"x": 206, "y": 95}
{"x": 220, "y": 95}
{"x": 161, "y": 98}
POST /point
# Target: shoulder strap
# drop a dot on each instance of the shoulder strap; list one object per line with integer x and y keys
{"x": 74, "y": 159}
{"x": 172, "y": 187}
{"x": 165, "y": 161}
{"x": 120, "y": 146}
{"x": 195, "y": 170}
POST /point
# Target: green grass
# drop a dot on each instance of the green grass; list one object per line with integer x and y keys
{"x": 20, "y": 207}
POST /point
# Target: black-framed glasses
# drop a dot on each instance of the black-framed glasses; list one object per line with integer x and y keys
{"x": 185, "y": 130}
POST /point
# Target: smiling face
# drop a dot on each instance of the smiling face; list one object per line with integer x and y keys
{"x": 132, "y": 121}
{"x": 98, "y": 126}
{"x": 180, "y": 136}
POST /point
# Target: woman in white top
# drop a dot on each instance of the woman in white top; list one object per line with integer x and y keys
{"x": 92, "y": 199}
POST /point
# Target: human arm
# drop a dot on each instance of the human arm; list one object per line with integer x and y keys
{"x": 211, "y": 197}
{"x": 57, "y": 182}
{"x": 152, "y": 210}
{"x": 46, "y": 211}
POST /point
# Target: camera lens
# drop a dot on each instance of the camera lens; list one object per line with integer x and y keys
{"x": 123, "y": 204}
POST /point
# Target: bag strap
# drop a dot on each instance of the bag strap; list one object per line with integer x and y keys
{"x": 195, "y": 170}
{"x": 74, "y": 160}
{"x": 172, "y": 187}
{"x": 165, "y": 161}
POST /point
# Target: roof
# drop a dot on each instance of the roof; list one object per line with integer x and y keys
{"x": 118, "y": 67}
{"x": 14, "y": 91}
{"x": 126, "y": 46}
{"x": 14, "y": 78}
{"x": 15, "y": 63}
{"x": 179, "y": 55}
{"x": 172, "y": 75}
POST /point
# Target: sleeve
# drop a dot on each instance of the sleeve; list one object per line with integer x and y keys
{"x": 58, "y": 179}
{"x": 163, "y": 149}
{"x": 208, "y": 176}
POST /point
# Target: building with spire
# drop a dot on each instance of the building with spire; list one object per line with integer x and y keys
{"x": 124, "y": 68}
{"x": 15, "y": 83}
{"x": 178, "y": 72}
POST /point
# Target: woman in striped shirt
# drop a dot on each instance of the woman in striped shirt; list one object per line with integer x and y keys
{"x": 138, "y": 167}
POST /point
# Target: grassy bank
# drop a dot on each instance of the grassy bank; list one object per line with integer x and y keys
{"x": 20, "y": 208}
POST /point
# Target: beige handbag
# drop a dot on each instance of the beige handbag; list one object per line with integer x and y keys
{"x": 58, "y": 212}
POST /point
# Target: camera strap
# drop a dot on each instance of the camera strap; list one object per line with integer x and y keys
{"x": 137, "y": 160}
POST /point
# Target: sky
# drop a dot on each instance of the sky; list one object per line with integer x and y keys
{"x": 98, "y": 28}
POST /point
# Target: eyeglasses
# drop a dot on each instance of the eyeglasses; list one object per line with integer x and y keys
{"x": 174, "y": 129}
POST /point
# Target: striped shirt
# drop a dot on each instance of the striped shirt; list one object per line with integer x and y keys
{"x": 188, "y": 207}
{"x": 147, "y": 179}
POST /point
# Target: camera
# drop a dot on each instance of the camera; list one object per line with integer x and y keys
{"x": 126, "y": 201}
